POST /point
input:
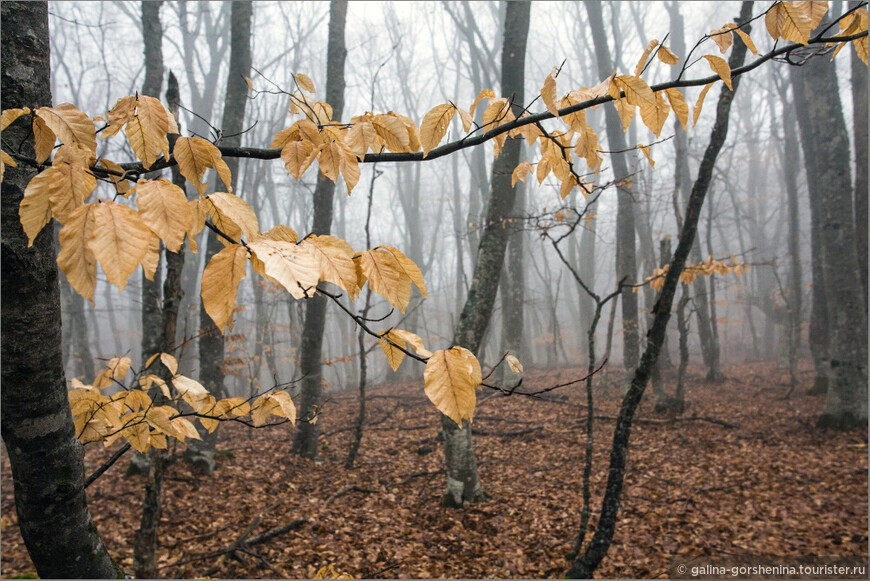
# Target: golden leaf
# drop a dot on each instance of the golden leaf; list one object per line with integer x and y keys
{"x": 291, "y": 265}
{"x": 195, "y": 155}
{"x": 335, "y": 257}
{"x": 637, "y": 92}
{"x": 10, "y": 115}
{"x": 667, "y": 56}
{"x": 5, "y": 159}
{"x": 220, "y": 284}
{"x": 349, "y": 167}
{"x": 199, "y": 212}
{"x": 146, "y": 130}
{"x": 466, "y": 119}
{"x": 192, "y": 392}
{"x": 329, "y": 161}
{"x": 413, "y": 339}
{"x": 484, "y": 94}
{"x": 151, "y": 260}
{"x": 409, "y": 268}
{"x": 434, "y": 126}
{"x": 722, "y": 37}
{"x": 138, "y": 435}
{"x": 392, "y": 131}
{"x": 261, "y": 409}
{"x": 626, "y": 112}
{"x": 638, "y": 69}
{"x": 497, "y": 112}
{"x": 520, "y": 172}
{"x": 655, "y": 117}
{"x": 119, "y": 116}
{"x": 514, "y": 363}
{"x": 119, "y": 240}
{"x": 35, "y": 209}
{"x": 280, "y": 232}
{"x": 304, "y": 81}
{"x": 678, "y": 104}
{"x": 645, "y": 150}
{"x": 44, "y": 139}
{"x": 747, "y": 40}
{"x": 285, "y": 407}
{"x": 361, "y": 136}
{"x": 451, "y": 377}
{"x": 224, "y": 207}
{"x": 385, "y": 276}
{"x": 297, "y": 157}
{"x": 700, "y": 103}
{"x": 76, "y": 259}
{"x": 788, "y": 21}
{"x": 721, "y": 68}
{"x": 170, "y": 362}
{"x": 70, "y": 125}
{"x": 164, "y": 209}
{"x": 393, "y": 353}
{"x": 548, "y": 93}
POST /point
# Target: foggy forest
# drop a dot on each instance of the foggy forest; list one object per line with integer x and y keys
{"x": 459, "y": 289}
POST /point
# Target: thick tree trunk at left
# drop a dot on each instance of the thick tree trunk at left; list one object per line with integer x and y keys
{"x": 310, "y": 352}
{"x": 463, "y": 484}
{"x": 46, "y": 458}
{"x": 859, "y": 126}
{"x": 200, "y": 453}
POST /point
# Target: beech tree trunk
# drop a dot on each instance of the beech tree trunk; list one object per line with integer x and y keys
{"x": 200, "y": 453}
{"x": 586, "y": 563}
{"x": 310, "y": 350}
{"x": 826, "y": 149}
{"x": 463, "y": 483}
{"x": 626, "y": 254}
{"x": 47, "y": 460}
{"x": 859, "y": 127}
{"x": 684, "y": 187}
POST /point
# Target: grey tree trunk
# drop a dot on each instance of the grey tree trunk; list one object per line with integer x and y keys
{"x": 463, "y": 484}
{"x": 859, "y": 127}
{"x": 626, "y": 260}
{"x": 684, "y": 178}
{"x": 586, "y": 563}
{"x": 310, "y": 350}
{"x": 513, "y": 289}
{"x": 826, "y": 149}
{"x": 152, "y": 35}
{"x": 200, "y": 453}
{"x": 47, "y": 460}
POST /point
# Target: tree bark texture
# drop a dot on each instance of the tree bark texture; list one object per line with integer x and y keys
{"x": 826, "y": 141}
{"x": 200, "y": 453}
{"x": 463, "y": 483}
{"x": 588, "y": 561}
{"x": 47, "y": 460}
{"x": 859, "y": 127}
{"x": 310, "y": 350}
{"x": 152, "y": 36}
{"x": 626, "y": 255}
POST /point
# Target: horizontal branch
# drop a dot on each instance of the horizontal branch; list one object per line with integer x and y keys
{"x": 467, "y": 142}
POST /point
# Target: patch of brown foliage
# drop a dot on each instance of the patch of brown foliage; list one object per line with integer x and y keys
{"x": 774, "y": 486}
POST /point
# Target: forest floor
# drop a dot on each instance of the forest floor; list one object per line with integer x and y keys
{"x": 772, "y": 486}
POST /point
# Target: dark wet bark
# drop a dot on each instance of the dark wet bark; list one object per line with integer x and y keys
{"x": 825, "y": 143}
{"x": 311, "y": 347}
{"x": 463, "y": 483}
{"x": 46, "y": 459}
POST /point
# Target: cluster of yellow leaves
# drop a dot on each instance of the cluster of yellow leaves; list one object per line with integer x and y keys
{"x": 707, "y": 268}
{"x": 330, "y": 572}
{"x": 133, "y": 415}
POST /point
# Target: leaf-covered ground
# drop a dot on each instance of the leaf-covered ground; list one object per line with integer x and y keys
{"x": 773, "y": 486}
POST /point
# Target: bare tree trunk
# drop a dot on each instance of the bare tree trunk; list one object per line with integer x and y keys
{"x": 463, "y": 484}
{"x": 626, "y": 261}
{"x": 830, "y": 184}
{"x": 200, "y": 453}
{"x": 683, "y": 173}
{"x": 47, "y": 460}
{"x": 586, "y": 563}
{"x": 310, "y": 353}
{"x": 513, "y": 291}
{"x": 859, "y": 127}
